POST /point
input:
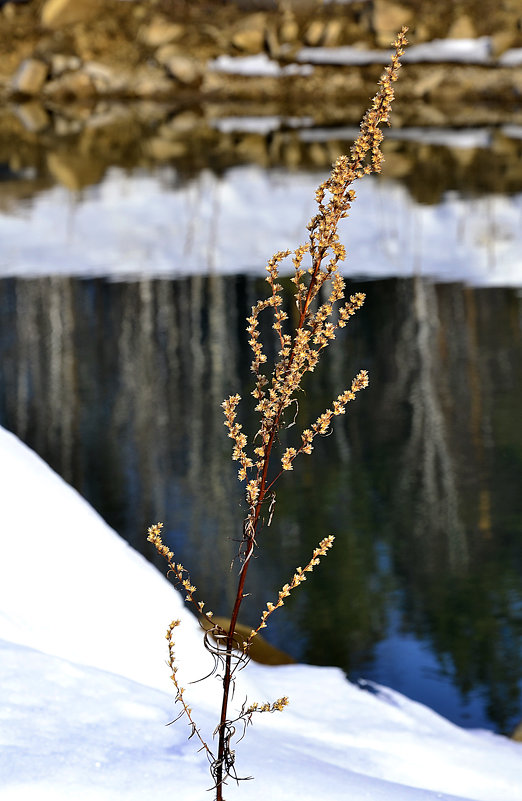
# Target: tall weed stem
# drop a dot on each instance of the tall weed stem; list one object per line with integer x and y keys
{"x": 319, "y": 298}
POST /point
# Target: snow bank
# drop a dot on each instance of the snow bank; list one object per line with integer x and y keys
{"x": 86, "y": 690}
{"x": 438, "y": 51}
{"x": 256, "y": 66}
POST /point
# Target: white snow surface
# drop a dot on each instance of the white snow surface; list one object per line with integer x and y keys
{"x": 438, "y": 51}
{"x": 138, "y": 225}
{"x": 511, "y": 58}
{"x": 86, "y": 694}
{"x": 259, "y": 65}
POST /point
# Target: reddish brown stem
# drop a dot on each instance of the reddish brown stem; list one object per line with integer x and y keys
{"x": 252, "y": 529}
{"x": 227, "y": 678}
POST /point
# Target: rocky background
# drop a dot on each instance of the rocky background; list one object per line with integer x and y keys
{"x": 83, "y": 49}
{"x": 86, "y": 83}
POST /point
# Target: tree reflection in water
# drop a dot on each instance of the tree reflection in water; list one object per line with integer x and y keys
{"x": 118, "y": 386}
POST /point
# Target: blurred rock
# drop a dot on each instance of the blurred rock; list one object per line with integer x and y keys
{"x": 110, "y": 114}
{"x": 502, "y": 41}
{"x": 160, "y": 149}
{"x": 33, "y": 116}
{"x": 30, "y": 77}
{"x": 464, "y": 158}
{"x": 288, "y": 30}
{"x": 105, "y": 79}
{"x": 166, "y": 52}
{"x": 333, "y": 33}
{"x": 273, "y": 44}
{"x": 160, "y": 32}
{"x": 139, "y": 12}
{"x": 9, "y": 11}
{"x": 70, "y": 84}
{"x": 184, "y": 69}
{"x": 387, "y": 20}
{"x": 305, "y": 8}
{"x": 181, "y": 124}
{"x": 74, "y": 171}
{"x": 149, "y": 81}
{"x": 63, "y": 126}
{"x": 428, "y": 115}
{"x": 317, "y": 154}
{"x": 252, "y": 147}
{"x": 61, "y": 63}
{"x": 422, "y": 32}
{"x": 429, "y": 80}
{"x": 218, "y": 36}
{"x": 249, "y": 34}
{"x": 397, "y": 164}
{"x": 517, "y": 734}
{"x": 314, "y": 33}
{"x": 462, "y": 28}
{"x": 58, "y": 13}
{"x": 291, "y": 153}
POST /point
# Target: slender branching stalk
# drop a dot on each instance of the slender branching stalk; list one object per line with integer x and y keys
{"x": 321, "y": 310}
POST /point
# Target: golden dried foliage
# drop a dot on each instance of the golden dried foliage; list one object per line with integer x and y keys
{"x": 177, "y": 570}
{"x": 186, "y": 710}
{"x": 298, "y": 577}
{"x": 317, "y": 324}
{"x": 319, "y": 295}
{"x": 275, "y": 706}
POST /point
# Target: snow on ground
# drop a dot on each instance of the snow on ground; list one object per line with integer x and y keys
{"x": 468, "y": 51}
{"x": 511, "y": 58}
{"x": 256, "y": 66}
{"x": 151, "y": 225}
{"x": 85, "y": 689}
{"x": 259, "y": 125}
{"x": 439, "y": 51}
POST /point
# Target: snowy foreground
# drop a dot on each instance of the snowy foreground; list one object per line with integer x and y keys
{"x": 86, "y": 694}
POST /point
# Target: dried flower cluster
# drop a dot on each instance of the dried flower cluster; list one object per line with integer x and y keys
{"x": 321, "y": 310}
{"x": 278, "y": 706}
{"x": 180, "y": 574}
{"x": 298, "y": 577}
{"x": 186, "y": 710}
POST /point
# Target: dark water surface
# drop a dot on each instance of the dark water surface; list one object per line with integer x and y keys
{"x": 118, "y": 386}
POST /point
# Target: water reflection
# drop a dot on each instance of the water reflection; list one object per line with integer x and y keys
{"x": 78, "y": 146}
{"x": 118, "y": 387}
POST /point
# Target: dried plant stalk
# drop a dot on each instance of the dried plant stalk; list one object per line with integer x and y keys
{"x": 316, "y": 276}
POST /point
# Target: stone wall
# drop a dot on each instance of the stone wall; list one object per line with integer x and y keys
{"x": 84, "y": 49}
